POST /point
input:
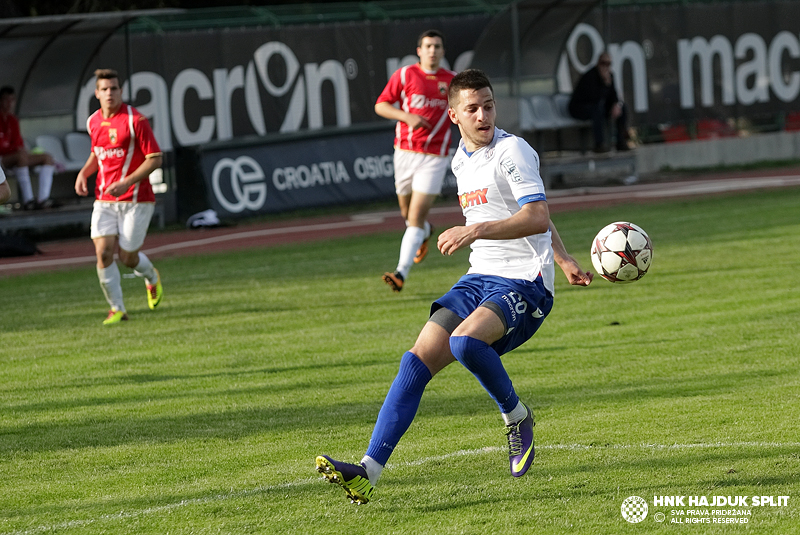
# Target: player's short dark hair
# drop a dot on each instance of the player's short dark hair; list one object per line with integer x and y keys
{"x": 105, "y": 74}
{"x": 6, "y": 90}
{"x": 474, "y": 79}
{"x": 430, "y": 33}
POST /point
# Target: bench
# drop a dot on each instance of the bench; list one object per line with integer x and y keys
{"x": 76, "y": 214}
{"x": 70, "y": 155}
{"x": 548, "y": 126}
{"x": 78, "y": 146}
{"x": 588, "y": 170}
{"x": 547, "y": 120}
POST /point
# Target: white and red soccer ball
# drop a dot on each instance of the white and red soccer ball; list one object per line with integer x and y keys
{"x": 622, "y": 252}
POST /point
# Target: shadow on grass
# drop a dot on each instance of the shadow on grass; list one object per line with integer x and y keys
{"x": 112, "y": 431}
{"x": 648, "y": 389}
{"x": 179, "y": 393}
{"x": 128, "y": 428}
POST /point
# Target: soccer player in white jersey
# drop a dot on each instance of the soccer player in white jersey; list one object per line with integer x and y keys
{"x": 421, "y": 145}
{"x": 497, "y": 306}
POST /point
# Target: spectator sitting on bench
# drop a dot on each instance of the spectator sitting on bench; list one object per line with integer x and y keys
{"x": 14, "y": 156}
{"x": 595, "y": 98}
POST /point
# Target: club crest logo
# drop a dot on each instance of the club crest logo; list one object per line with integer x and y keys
{"x": 634, "y": 509}
{"x": 112, "y": 135}
{"x": 442, "y": 88}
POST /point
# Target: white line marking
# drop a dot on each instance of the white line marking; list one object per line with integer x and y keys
{"x": 437, "y": 458}
{"x": 46, "y": 263}
{"x": 162, "y": 508}
{"x": 672, "y": 189}
{"x": 360, "y": 222}
{"x": 266, "y": 232}
{"x": 575, "y": 447}
{"x": 418, "y": 462}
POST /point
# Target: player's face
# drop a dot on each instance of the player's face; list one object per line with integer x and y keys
{"x": 109, "y": 93}
{"x": 475, "y": 116}
{"x": 430, "y": 52}
{"x": 8, "y": 103}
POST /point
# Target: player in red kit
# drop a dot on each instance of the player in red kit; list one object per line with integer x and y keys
{"x": 124, "y": 153}
{"x": 14, "y": 155}
{"x": 422, "y": 141}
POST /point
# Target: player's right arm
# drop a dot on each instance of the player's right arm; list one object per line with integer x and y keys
{"x": 532, "y": 218}
{"x": 88, "y": 169}
{"x": 391, "y": 94}
{"x": 387, "y": 111}
{"x": 16, "y": 143}
{"x": 150, "y": 164}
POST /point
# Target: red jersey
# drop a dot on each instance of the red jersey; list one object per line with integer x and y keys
{"x": 121, "y": 143}
{"x": 10, "y": 138}
{"x": 426, "y": 95}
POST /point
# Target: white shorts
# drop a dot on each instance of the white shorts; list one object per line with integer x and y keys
{"x": 127, "y": 220}
{"x": 415, "y": 171}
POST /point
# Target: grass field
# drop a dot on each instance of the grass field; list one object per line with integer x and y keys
{"x": 205, "y": 416}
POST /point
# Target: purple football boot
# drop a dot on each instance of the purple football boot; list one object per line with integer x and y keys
{"x": 520, "y": 445}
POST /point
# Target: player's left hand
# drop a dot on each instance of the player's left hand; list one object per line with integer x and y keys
{"x": 572, "y": 270}
{"x": 117, "y": 188}
{"x": 418, "y": 121}
{"x": 575, "y": 275}
{"x": 581, "y": 278}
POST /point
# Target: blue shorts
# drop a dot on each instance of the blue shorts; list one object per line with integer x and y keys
{"x": 524, "y": 304}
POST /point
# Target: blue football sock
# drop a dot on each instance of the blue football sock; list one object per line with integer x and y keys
{"x": 485, "y": 364}
{"x": 399, "y": 407}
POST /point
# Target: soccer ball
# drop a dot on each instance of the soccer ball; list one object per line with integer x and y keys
{"x": 622, "y": 252}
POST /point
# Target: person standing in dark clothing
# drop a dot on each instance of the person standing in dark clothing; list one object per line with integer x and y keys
{"x": 595, "y": 98}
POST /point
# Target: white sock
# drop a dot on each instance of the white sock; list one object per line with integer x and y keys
{"x": 23, "y": 175}
{"x": 517, "y": 415}
{"x": 412, "y": 239}
{"x": 45, "y": 182}
{"x": 373, "y": 469}
{"x": 428, "y": 229}
{"x": 110, "y": 283}
{"x": 145, "y": 269}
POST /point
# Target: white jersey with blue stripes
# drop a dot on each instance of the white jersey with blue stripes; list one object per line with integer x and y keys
{"x": 493, "y": 182}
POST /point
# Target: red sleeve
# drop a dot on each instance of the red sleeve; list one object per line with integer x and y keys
{"x": 16, "y": 142}
{"x": 144, "y": 134}
{"x": 391, "y": 93}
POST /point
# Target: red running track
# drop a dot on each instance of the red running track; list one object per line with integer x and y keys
{"x": 80, "y": 252}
